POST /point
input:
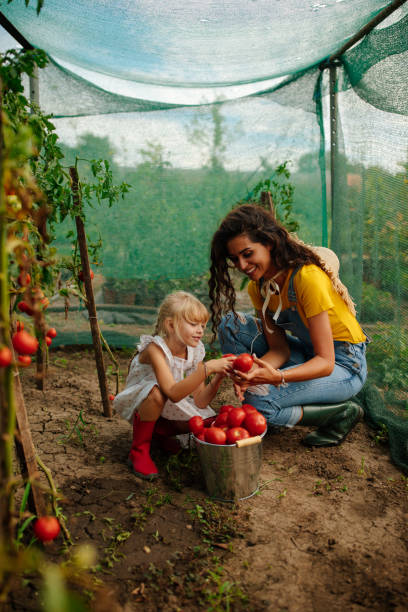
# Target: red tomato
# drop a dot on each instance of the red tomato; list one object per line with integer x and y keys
{"x": 200, "y": 436}
{"x": 24, "y": 279}
{"x": 236, "y": 433}
{"x": 5, "y": 356}
{"x": 111, "y": 397}
{"x": 24, "y": 307}
{"x": 209, "y": 421}
{"x": 243, "y": 362}
{"x": 215, "y": 435}
{"x": 235, "y": 417}
{"x": 226, "y": 408}
{"x": 48, "y": 340}
{"x": 229, "y": 355}
{"x": 24, "y": 343}
{"x": 81, "y": 275}
{"x": 221, "y": 419}
{"x": 46, "y": 528}
{"x": 196, "y": 424}
{"x": 248, "y": 408}
{"x": 51, "y": 333}
{"x": 24, "y": 360}
{"x": 255, "y": 423}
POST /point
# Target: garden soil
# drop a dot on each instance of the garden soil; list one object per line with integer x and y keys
{"x": 327, "y": 529}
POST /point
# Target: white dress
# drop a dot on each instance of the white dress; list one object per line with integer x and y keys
{"x": 141, "y": 380}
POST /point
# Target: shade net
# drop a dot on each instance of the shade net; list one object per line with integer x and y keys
{"x": 194, "y": 104}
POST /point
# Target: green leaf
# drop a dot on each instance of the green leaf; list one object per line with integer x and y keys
{"x": 25, "y": 497}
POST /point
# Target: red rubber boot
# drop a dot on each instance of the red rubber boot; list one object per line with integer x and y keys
{"x": 139, "y": 457}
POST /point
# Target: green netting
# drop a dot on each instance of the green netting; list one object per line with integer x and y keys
{"x": 200, "y": 43}
{"x": 140, "y": 94}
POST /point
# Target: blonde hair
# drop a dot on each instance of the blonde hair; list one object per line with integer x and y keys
{"x": 178, "y": 306}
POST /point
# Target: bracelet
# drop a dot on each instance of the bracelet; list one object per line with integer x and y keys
{"x": 283, "y": 382}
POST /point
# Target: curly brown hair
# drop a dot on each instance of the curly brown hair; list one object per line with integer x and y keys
{"x": 259, "y": 225}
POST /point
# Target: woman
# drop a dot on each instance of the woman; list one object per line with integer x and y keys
{"x": 311, "y": 345}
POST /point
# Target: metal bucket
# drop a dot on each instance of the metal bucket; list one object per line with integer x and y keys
{"x": 231, "y": 471}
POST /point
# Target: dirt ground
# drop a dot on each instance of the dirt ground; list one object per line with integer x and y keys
{"x": 327, "y": 529}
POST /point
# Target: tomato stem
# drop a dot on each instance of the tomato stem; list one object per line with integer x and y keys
{"x": 7, "y": 401}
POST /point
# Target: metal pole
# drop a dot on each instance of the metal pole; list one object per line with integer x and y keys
{"x": 8, "y": 26}
{"x": 368, "y": 27}
{"x": 333, "y": 138}
{"x": 34, "y": 87}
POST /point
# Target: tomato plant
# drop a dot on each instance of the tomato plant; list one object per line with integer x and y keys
{"x": 255, "y": 423}
{"x": 243, "y": 362}
{"x": 236, "y": 433}
{"x": 24, "y": 343}
{"x": 196, "y": 424}
{"x": 46, "y": 528}
{"x": 215, "y": 435}
{"x": 235, "y": 417}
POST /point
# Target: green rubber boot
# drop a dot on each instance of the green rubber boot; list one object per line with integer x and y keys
{"x": 334, "y": 422}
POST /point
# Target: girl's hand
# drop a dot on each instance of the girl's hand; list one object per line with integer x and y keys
{"x": 239, "y": 391}
{"x": 223, "y": 365}
{"x": 260, "y": 373}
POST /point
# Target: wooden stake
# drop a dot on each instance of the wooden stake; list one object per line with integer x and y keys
{"x": 41, "y": 366}
{"x": 90, "y": 300}
{"x": 26, "y": 450}
{"x": 266, "y": 200}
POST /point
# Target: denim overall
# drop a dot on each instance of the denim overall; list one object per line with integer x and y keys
{"x": 283, "y": 406}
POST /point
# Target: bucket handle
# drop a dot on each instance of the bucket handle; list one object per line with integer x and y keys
{"x": 249, "y": 441}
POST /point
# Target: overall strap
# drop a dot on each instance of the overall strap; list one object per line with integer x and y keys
{"x": 291, "y": 288}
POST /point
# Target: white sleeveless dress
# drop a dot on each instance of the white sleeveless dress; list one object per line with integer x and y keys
{"x": 141, "y": 380}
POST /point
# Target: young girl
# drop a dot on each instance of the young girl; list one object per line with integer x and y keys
{"x": 311, "y": 345}
{"x": 167, "y": 369}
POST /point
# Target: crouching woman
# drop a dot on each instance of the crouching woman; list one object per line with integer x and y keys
{"x": 309, "y": 347}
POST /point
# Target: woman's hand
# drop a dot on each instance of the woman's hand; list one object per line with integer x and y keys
{"x": 261, "y": 373}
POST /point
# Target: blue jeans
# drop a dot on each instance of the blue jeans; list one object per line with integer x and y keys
{"x": 283, "y": 407}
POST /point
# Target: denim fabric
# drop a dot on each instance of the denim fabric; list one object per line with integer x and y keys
{"x": 284, "y": 406}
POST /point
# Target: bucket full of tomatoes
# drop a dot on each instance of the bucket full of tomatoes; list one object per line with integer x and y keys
{"x": 230, "y": 451}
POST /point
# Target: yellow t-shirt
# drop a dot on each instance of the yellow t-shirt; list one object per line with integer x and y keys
{"x": 315, "y": 294}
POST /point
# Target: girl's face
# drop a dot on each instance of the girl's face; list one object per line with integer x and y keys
{"x": 190, "y": 333}
{"x": 251, "y": 258}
